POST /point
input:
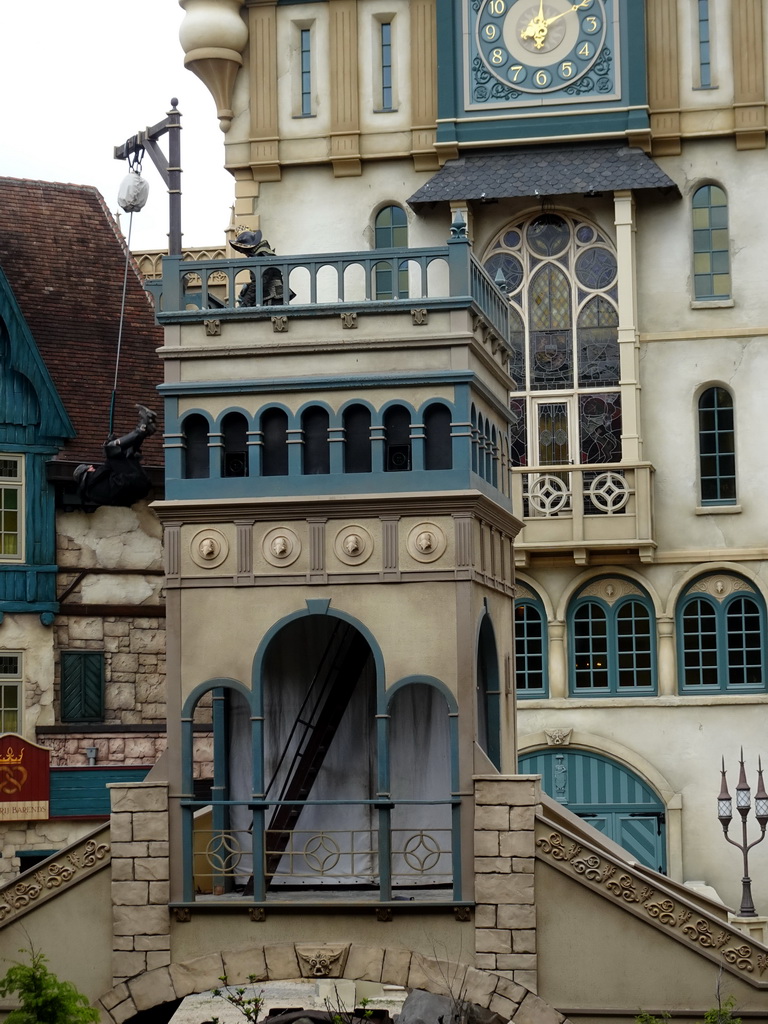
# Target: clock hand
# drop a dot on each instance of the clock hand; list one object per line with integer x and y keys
{"x": 573, "y": 7}
{"x": 538, "y": 26}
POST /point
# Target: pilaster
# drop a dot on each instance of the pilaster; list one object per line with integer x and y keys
{"x": 262, "y": 30}
{"x": 663, "y": 76}
{"x": 748, "y": 74}
{"x": 423, "y": 85}
{"x": 345, "y": 89}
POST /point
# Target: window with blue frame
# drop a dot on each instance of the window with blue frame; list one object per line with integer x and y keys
{"x": 11, "y": 507}
{"x": 10, "y": 692}
{"x": 705, "y": 45}
{"x": 530, "y": 645}
{"x": 385, "y": 56}
{"x": 612, "y": 641}
{"x": 437, "y": 437}
{"x": 274, "y": 430}
{"x": 234, "y": 432}
{"x": 721, "y": 627}
{"x": 390, "y": 231}
{"x": 316, "y": 457}
{"x": 397, "y": 433}
{"x": 711, "y": 244}
{"x": 195, "y": 463}
{"x": 305, "y": 51}
{"x": 357, "y": 439}
{"x": 717, "y": 449}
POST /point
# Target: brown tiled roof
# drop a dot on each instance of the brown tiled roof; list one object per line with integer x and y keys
{"x": 65, "y": 260}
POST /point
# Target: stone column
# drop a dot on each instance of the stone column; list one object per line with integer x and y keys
{"x": 505, "y": 913}
{"x": 140, "y": 878}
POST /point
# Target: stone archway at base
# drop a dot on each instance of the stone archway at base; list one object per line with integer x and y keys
{"x": 288, "y": 961}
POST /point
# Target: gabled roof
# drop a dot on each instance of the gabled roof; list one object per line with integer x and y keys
{"x": 64, "y": 259}
{"x": 581, "y": 168}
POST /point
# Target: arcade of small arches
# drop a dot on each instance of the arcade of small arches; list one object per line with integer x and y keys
{"x": 358, "y": 439}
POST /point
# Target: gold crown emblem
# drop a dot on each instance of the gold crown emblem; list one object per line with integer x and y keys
{"x": 10, "y": 758}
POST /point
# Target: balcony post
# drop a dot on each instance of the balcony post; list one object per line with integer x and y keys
{"x": 459, "y": 248}
{"x": 557, "y": 681}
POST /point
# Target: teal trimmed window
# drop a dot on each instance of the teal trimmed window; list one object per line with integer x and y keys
{"x": 390, "y": 232}
{"x": 530, "y": 647}
{"x": 705, "y": 46}
{"x": 721, "y": 627}
{"x": 612, "y": 641}
{"x": 11, "y": 507}
{"x": 82, "y": 686}
{"x": 717, "y": 448}
{"x": 711, "y": 244}
{"x": 385, "y": 43}
{"x": 305, "y": 47}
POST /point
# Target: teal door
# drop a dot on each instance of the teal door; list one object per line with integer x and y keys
{"x": 609, "y": 796}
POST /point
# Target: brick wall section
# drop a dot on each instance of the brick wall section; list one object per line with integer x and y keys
{"x": 505, "y": 914}
{"x": 134, "y": 663}
{"x": 140, "y": 879}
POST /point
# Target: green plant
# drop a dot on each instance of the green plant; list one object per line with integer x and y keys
{"x": 44, "y": 999}
{"x": 720, "y": 1014}
{"x": 649, "y": 1018}
{"x": 339, "y": 1014}
{"x": 249, "y": 1005}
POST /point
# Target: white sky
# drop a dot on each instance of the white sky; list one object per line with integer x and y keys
{"x": 79, "y": 77}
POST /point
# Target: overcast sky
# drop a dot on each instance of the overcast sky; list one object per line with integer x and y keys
{"x": 79, "y": 77}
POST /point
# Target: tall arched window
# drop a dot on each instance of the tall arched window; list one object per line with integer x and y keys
{"x": 397, "y": 431}
{"x": 612, "y": 630}
{"x": 196, "y": 464}
{"x": 316, "y": 453}
{"x": 721, "y": 636}
{"x": 357, "y": 439}
{"x": 717, "y": 449}
{"x": 274, "y": 429}
{"x": 711, "y": 244}
{"x": 234, "y": 430}
{"x": 390, "y": 231}
{"x": 437, "y": 437}
{"x": 560, "y": 274}
{"x": 530, "y": 645}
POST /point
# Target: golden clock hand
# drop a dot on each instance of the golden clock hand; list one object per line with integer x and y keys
{"x": 573, "y": 7}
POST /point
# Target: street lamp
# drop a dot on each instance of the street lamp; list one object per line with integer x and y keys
{"x": 743, "y": 803}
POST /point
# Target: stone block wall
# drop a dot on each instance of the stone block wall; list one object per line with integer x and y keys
{"x": 505, "y": 913}
{"x": 140, "y": 879}
{"x": 134, "y": 656}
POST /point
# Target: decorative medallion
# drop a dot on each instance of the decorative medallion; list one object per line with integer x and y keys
{"x": 281, "y": 546}
{"x": 721, "y": 586}
{"x": 321, "y": 962}
{"x": 426, "y": 542}
{"x": 558, "y": 737}
{"x": 353, "y": 544}
{"x": 209, "y": 548}
{"x": 611, "y": 590}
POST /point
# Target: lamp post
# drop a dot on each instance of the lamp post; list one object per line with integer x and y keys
{"x": 743, "y": 803}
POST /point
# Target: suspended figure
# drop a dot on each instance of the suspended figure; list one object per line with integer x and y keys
{"x": 251, "y": 243}
{"x": 121, "y": 480}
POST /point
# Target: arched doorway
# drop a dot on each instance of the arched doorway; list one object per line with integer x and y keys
{"x": 607, "y": 794}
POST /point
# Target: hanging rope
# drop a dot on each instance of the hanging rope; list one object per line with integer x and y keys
{"x": 132, "y": 197}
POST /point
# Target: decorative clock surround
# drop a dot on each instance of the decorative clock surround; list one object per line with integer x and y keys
{"x": 539, "y": 51}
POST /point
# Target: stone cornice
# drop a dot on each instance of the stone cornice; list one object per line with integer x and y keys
{"x": 657, "y": 902}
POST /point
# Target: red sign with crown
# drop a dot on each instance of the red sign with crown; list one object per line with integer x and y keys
{"x": 24, "y": 779}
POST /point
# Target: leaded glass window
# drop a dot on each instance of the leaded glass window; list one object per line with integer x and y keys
{"x": 717, "y": 449}
{"x": 612, "y": 633}
{"x": 560, "y": 274}
{"x": 711, "y": 244}
{"x": 721, "y": 628}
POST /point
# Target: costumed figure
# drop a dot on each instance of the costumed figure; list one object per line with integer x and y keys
{"x": 121, "y": 480}
{"x": 251, "y": 243}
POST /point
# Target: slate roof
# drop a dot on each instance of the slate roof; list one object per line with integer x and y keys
{"x": 64, "y": 258}
{"x": 545, "y": 171}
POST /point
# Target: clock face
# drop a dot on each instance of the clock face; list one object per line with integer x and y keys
{"x": 556, "y": 49}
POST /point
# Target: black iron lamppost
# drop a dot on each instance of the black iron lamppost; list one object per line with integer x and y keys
{"x": 743, "y": 803}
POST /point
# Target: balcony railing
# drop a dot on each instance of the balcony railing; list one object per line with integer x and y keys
{"x": 446, "y": 276}
{"x": 584, "y": 507}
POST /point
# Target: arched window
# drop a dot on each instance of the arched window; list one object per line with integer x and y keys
{"x": 711, "y": 244}
{"x": 475, "y": 440}
{"x": 316, "y": 453}
{"x": 530, "y": 645}
{"x": 397, "y": 432}
{"x": 390, "y": 232}
{"x": 717, "y": 449}
{"x": 612, "y": 648}
{"x": 357, "y": 439}
{"x": 488, "y": 693}
{"x": 721, "y": 636}
{"x": 437, "y": 437}
{"x": 196, "y": 464}
{"x": 274, "y": 429}
{"x": 234, "y": 430}
{"x": 560, "y": 274}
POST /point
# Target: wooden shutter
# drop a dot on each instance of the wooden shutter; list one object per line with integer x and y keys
{"x": 82, "y": 686}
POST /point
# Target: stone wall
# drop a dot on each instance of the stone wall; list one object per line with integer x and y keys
{"x": 505, "y": 912}
{"x": 134, "y": 654}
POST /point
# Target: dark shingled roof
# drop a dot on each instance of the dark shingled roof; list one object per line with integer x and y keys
{"x": 64, "y": 258}
{"x": 545, "y": 171}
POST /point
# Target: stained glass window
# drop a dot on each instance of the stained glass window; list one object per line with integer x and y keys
{"x": 711, "y": 244}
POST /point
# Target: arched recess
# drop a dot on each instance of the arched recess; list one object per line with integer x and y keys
{"x": 631, "y": 764}
{"x": 195, "y": 428}
{"x": 488, "y": 692}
